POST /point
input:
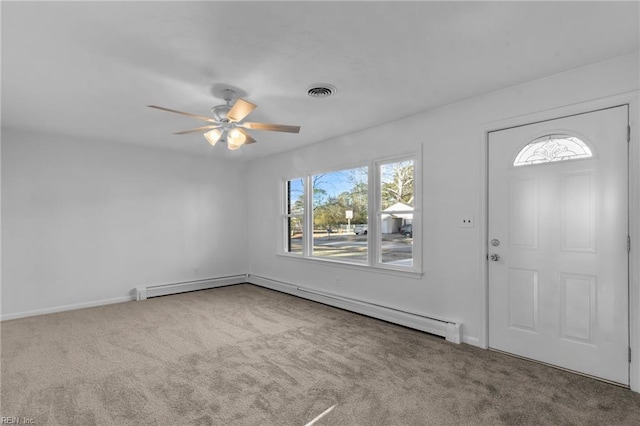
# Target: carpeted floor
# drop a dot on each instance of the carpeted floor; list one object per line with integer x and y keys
{"x": 244, "y": 355}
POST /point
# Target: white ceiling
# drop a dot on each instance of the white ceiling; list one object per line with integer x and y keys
{"x": 89, "y": 69}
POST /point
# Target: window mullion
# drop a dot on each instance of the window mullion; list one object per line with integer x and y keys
{"x": 285, "y": 217}
{"x": 307, "y": 236}
{"x": 372, "y": 213}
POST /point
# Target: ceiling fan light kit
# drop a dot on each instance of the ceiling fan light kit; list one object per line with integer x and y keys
{"x": 226, "y": 124}
{"x": 213, "y": 136}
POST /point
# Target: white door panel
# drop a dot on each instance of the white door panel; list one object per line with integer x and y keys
{"x": 559, "y": 291}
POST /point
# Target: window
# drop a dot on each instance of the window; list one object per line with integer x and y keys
{"x": 340, "y": 202}
{"x": 550, "y": 148}
{"x": 294, "y": 215}
{"x": 364, "y": 215}
{"x": 395, "y": 212}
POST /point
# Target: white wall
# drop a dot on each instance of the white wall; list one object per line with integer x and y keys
{"x": 85, "y": 221}
{"x": 453, "y": 174}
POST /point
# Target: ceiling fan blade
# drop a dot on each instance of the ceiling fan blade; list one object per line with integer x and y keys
{"x": 199, "y": 117}
{"x": 272, "y": 127}
{"x": 240, "y": 110}
{"x": 249, "y": 138}
{"x": 199, "y": 129}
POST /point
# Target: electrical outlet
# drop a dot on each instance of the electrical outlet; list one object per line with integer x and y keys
{"x": 467, "y": 222}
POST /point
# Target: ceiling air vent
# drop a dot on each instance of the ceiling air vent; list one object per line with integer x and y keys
{"x": 321, "y": 91}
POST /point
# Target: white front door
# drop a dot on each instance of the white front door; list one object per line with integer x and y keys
{"x": 558, "y": 229}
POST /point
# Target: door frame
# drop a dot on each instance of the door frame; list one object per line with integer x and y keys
{"x": 632, "y": 100}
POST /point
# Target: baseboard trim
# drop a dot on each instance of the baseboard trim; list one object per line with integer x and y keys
{"x": 450, "y": 330}
{"x": 139, "y": 293}
{"x": 70, "y": 307}
{"x": 144, "y": 292}
{"x": 440, "y": 327}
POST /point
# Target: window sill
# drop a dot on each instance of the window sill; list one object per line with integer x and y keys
{"x": 404, "y": 272}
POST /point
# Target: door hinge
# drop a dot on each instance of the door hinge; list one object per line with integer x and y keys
{"x": 629, "y": 353}
{"x": 628, "y": 243}
{"x": 628, "y": 133}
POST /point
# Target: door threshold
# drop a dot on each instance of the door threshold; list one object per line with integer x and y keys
{"x": 600, "y": 379}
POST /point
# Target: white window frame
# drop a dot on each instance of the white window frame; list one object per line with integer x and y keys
{"x": 284, "y": 248}
{"x": 373, "y": 211}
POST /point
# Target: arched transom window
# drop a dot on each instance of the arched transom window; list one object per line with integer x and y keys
{"x": 550, "y": 148}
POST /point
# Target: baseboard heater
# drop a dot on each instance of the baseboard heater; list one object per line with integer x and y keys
{"x": 451, "y": 331}
{"x": 145, "y": 292}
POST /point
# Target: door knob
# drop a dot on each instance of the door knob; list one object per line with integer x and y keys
{"x": 494, "y": 257}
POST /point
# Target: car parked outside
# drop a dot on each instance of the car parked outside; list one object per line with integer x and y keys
{"x": 407, "y": 230}
{"x": 360, "y": 229}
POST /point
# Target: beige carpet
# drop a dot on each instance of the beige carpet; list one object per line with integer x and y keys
{"x": 243, "y": 355}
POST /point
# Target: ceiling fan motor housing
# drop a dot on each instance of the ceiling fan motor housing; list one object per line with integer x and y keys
{"x": 220, "y": 112}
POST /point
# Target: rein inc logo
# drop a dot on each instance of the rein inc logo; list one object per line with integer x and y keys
{"x": 6, "y": 420}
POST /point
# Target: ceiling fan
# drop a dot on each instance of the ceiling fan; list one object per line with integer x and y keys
{"x": 226, "y": 122}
